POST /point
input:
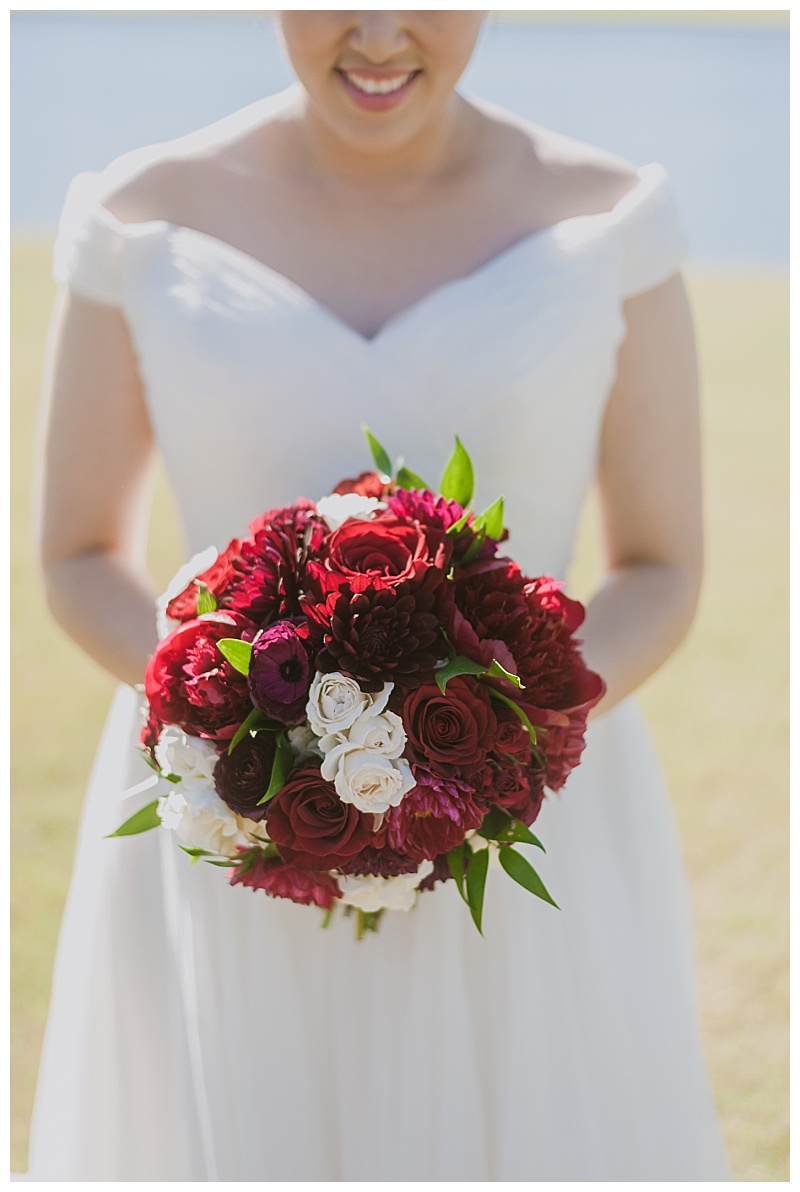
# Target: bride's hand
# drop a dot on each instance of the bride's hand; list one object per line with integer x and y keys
{"x": 94, "y": 470}
{"x": 650, "y": 493}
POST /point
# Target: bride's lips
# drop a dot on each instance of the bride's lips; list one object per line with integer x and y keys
{"x": 377, "y": 91}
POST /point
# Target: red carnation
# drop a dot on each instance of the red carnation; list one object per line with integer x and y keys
{"x": 279, "y": 880}
{"x": 311, "y": 825}
{"x": 218, "y": 578}
{"x": 189, "y": 683}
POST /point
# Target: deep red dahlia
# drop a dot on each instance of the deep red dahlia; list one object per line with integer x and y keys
{"x": 434, "y": 816}
{"x": 279, "y": 880}
{"x": 382, "y": 861}
{"x": 273, "y": 563}
{"x": 378, "y": 635}
{"x": 190, "y": 684}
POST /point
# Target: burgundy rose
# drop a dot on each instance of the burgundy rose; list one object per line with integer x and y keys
{"x": 280, "y": 880}
{"x": 218, "y": 578}
{"x": 311, "y": 825}
{"x": 280, "y": 671}
{"x": 434, "y": 816}
{"x": 242, "y": 778}
{"x": 189, "y": 683}
{"x": 367, "y": 484}
{"x": 453, "y": 731}
{"x": 512, "y": 738}
{"x": 379, "y": 635}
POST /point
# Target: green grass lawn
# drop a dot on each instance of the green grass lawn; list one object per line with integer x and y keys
{"x": 718, "y": 710}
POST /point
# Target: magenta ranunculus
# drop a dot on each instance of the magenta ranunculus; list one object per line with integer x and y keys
{"x": 280, "y": 671}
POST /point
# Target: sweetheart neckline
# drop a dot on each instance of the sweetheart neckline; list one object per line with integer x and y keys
{"x": 649, "y": 176}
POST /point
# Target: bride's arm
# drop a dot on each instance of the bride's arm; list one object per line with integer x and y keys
{"x": 94, "y": 469}
{"x": 650, "y": 491}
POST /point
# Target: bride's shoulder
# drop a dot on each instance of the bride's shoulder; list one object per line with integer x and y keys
{"x": 563, "y": 177}
{"x": 163, "y": 180}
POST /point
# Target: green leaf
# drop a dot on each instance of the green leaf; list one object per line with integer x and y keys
{"x": 523, "y": 873}
{"x": 458, "y": 526}
{"x": 379, "y": 452}
{"x": 471, "y": 553}
{"x": 457, "y": 666}
{"x": 206, "y": 600}
{"x": 522, "y": 835}
{"x": 284, "y": 757}
{"x": 250, "y": 722}
{"x": 326, "y": 921}
{"x": 456, "y": 863}
{"x": 458, "y": 478}
{"x": 141, "y": 821}
{"x": 516, "y": 709}
{"x": 405, "y": 478}
{"x": 237, "y": 652}
{"x": 496, "y": 671}
{"x": 476, "y": 884}
{"x": 223, "y": 864}
{"x": 496, "y": 824}
{"x": 491, "y": 520}
{"x": 195, "y": 852}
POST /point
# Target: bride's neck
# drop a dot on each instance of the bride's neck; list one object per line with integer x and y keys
{"x": 440, "y": 149}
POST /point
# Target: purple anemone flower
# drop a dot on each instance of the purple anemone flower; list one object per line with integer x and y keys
{"x": 280, "y": 672}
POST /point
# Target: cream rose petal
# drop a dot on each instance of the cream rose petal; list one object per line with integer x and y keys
{"x": 374, "y": 893}
{"x": 370, "y": 781}
{"x": 339, "y": 507}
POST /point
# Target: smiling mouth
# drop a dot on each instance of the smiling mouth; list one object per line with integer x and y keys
{"x": 375, "y": 85}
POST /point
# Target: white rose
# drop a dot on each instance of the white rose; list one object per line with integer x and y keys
{"x": 335, "y": 701}
{"x": 374, "y": 893}
{"x": 304, "y": 742}
{"x": 191, "y": 758}
{"x": 370, "y": 781}
{"x": 182, "y": 578}
{"x": 381, "y": 733}
{"x": 338, "y": 507}
{"x": 200, "y": 819}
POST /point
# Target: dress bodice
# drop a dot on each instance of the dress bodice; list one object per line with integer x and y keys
{"x": 256, "y": 391}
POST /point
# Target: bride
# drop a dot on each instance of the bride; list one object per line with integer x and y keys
{"x": 372, "y": 247}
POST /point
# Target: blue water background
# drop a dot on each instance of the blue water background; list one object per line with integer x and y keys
{"x": 710, "y": 103}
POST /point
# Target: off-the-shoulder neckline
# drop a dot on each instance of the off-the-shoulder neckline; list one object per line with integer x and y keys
{"x": 650, "y": 178}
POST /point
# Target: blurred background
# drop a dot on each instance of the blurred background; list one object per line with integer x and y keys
{"x": 704, "y": 93}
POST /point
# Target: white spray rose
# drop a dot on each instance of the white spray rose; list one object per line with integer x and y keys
{"x": 305, "y": 743}
{"x": 368, "y": 780}
{"x": 182, "y": 578}
{"x": 338, "y": 507}
{"x": 200, "y": 819}
{"x": 375, "y": 893}
{"x": 335, "y": 701}
{"x": 191, "y": 758}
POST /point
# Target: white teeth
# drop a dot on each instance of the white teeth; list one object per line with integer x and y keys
{"x": 377, "y": 86}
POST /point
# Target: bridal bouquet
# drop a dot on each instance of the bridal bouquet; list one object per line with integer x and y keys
{"x": 363, "y": 698}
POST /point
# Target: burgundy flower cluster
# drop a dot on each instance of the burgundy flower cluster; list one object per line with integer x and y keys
{"x": 372, "y": 688}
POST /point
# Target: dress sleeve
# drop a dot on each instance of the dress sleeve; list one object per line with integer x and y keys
{"x": 89, "y": 244}
{"x": 652, "y": 241}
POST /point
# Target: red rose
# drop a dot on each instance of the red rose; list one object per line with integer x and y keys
{"x": 189, "y": 683}
{"x": 280, "y": 880}
{"x": 383, "y": 552}
{"x": 368, "y": 484}
{"x": 311, "y": 825}
{"x": 512, "y": 738}
{"x": 453, "y": 731}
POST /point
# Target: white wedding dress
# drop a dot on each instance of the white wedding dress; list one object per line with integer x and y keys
{"x": 202, "y": 1032}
